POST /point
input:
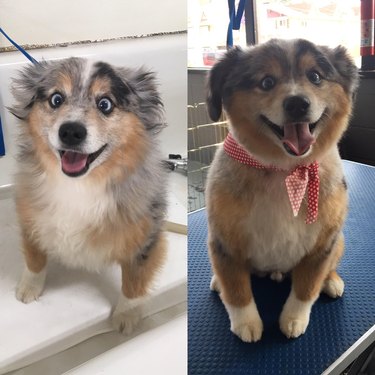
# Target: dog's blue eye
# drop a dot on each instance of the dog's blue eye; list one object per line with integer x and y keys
{"x": 105, "y": 105}
{"x": 267, "y": 83}
{"x": 56, "y": 100}
{"x": 314, "y": 77}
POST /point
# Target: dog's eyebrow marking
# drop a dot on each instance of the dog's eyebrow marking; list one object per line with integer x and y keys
{"x": 324, "y": 64}
{"x": 304, "y": 47}
{"x": 119, "y": 88}
{"x": 278, "y": 55}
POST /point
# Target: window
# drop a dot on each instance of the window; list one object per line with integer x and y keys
{"x": 324, "y": 22}
{"x": 207, "y": 31}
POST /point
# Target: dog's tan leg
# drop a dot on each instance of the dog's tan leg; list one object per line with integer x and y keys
{"x": 307, "y": 281}
{"x": 137, "y": 276}
{"x": 232, "y": 277}
{"x": 334, "y": 285}
{"x": 31, "y": 284}
{"x": 309, "y": 276}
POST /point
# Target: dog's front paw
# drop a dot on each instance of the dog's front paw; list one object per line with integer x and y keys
{"x": 125, "y": 322}
{"x": 295, "y": 317}
{"x": 245, "y": 322}
{"x": 30, "y": 286}
{"x": 127, "y": 314}
{"x": 293, "y": 327}
{"x": 28, "y": 293}
{"x": 250, "y": 331}
{"x": 334, "y": 286}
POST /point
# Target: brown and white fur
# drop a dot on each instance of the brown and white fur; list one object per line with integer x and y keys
{"x": 90, "y": 187}
{"x": 251, "y": 224}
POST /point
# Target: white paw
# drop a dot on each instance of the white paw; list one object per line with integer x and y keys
{"x": 334, "y": 287}
{"x": 245, "y": 322}
{"x": 250, "y": 331}
{"x": 277, "y": 276}
{"x": 125, "y": 322}
{"x": 30, "y": 286}
{"x": 127, "y": 314}
{"x": 295, "y": 316}
{"x": 214, "y": 285}
{"x": 293, "y": 327}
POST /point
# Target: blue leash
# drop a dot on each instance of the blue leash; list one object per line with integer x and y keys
{"x": 2, "y": 146}
{"x": 234, "y": 19}
{"x": 28, "y": 56}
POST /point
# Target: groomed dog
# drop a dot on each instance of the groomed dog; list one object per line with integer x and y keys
{"x": 276, "y": 193}
{"x": 90, "y": 189}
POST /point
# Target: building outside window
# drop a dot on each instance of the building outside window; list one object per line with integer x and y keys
{"x": 324, "y": 22}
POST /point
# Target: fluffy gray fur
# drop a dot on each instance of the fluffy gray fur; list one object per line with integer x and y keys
{"x": 143, "y": 191}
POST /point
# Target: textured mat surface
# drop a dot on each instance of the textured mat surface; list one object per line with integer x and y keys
{"x": 334, "y": 325}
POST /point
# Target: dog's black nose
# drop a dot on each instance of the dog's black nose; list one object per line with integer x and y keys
{"x": 72, "y": 133}
{"x": 296, "y": 106}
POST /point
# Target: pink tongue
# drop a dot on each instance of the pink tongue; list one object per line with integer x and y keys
{"x": 297, "y": 137}
{"x": 73, "y": 162}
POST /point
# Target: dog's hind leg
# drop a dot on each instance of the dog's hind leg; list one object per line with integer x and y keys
{"x": 214, "y": 284}
{"x": 137, "y": 276}
{"x": 232, "y": 276}
{"x": 31, "y": 284}
{"x": 333, "y": 285}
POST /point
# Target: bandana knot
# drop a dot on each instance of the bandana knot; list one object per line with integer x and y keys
{"x": 300, "y": 179}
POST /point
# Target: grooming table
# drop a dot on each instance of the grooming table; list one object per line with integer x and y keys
{"x": 148, "y": 353}
{"x": 339, "y": 330}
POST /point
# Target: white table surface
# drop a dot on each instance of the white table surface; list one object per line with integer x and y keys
{"x": 162, "y": 350}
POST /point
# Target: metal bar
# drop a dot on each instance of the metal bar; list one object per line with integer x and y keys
{"x": 250, "y": 23}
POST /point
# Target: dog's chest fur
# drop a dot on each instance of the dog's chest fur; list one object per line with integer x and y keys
{"x": 277, "y": 240}
{"x": 68, "y": 212}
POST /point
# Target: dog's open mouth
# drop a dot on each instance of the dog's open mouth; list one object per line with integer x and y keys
{"x": 297, "y": 137}
{"x": 75, "y": 164}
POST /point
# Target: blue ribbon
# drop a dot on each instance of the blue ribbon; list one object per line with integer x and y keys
{"x": 234, "y": 19}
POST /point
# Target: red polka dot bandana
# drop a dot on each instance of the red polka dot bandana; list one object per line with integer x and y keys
{"x": 302, "y": 178}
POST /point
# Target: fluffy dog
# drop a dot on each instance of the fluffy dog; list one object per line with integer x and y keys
{"x": 276, "y": 193}
{"x": 90, "y": 189}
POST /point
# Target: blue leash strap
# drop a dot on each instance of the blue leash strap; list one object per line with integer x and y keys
{"x": 234, "y": 19}
{"x": 2, "y": 146}
{"x": 28, "y": 56}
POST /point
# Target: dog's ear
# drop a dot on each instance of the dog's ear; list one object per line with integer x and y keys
{"x": 27, "y": 88}
{"x": 216, "y": 81}
{"x": 345, "y": 66}
{"x": 149, "y": 105}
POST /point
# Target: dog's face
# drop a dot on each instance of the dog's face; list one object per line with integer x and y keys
{"x": 82, "y": 116}
{"x": 285, "y": 100}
